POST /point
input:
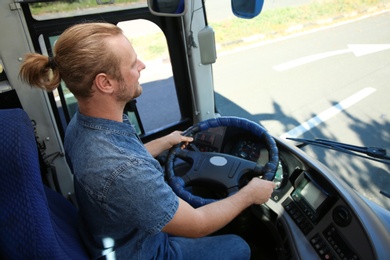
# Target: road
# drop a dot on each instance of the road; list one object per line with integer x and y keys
{"x": 313, "y": 85}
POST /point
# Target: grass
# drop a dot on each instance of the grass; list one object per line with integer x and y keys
{"x": 275, "y": 22}
{"x": 268, "y": 25}
{"x": 71, "y": 5}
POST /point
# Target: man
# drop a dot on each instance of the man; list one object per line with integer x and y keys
{"x": 126, "y": 207}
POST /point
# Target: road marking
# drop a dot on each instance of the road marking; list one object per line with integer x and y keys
{"x": 357, "y": 49}
{"x": 329, "y": 113}
{"x": 302, "y": 61}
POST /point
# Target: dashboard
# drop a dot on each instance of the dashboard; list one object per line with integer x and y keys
{"x": 317, "y": 215}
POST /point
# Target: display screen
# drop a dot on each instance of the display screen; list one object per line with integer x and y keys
{"x": 313, "y": 195}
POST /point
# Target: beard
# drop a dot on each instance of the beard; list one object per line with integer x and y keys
{"x": 138, "y": 91}
{"x": 126, "y": 93}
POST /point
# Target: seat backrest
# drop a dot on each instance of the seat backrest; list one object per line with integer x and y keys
{"x": 35, "y": 221}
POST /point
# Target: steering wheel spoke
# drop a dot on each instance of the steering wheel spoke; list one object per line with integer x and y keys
{"x": 232, "y": 190}
{"x": 222, "y": 169}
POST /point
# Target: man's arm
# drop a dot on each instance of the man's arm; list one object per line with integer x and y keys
{"x": 190, "y": 222}
{"x": 157, "y": 146}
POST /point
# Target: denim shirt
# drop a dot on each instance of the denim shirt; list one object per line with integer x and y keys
{"x": 123, "y": 199}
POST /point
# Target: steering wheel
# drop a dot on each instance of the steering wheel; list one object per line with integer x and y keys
{"x": 218, "y": 168}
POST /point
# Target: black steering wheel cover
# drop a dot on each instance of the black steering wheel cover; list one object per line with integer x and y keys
{"x": 268, "y": 171}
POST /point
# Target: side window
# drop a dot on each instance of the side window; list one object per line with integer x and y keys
{"x": 158, "y": 105}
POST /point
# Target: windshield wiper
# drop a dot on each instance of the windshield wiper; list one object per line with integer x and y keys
{"x": 371, "y": 153}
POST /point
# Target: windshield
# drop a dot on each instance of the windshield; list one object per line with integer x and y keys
{"x": 312, "y": 69}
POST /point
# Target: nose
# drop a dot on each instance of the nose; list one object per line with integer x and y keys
{"x": 141, "y": 65}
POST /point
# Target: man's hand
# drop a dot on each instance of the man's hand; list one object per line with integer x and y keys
{"x": 177, "y": 137}
{"x": 259, "y": 190}
{"x": 159, "y": 145}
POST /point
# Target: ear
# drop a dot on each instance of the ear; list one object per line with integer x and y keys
{"x": 104, "y": 84}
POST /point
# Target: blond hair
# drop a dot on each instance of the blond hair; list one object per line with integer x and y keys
{"x": 80, "y": 53}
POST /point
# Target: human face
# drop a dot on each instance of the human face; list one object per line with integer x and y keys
{"x": 130, "y": 67}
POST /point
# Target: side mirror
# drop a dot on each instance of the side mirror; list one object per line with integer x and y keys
{"x": 174, "y": 8}
{"x": 247, "y": 9}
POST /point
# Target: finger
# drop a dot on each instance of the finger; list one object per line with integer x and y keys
{"x": 187, "y": 139}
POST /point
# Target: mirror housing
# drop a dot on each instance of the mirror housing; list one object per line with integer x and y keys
{"x": 173, "y": 8}
{"x": 247, "y": 9}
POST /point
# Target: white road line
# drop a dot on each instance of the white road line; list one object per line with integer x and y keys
{"x": 329, "y": 113}
{"x": 357, "y": 49}
{"x": 308, "y": 59}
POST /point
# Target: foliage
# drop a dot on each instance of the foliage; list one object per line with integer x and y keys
{"x": 71, "y": 5}
{"x": 279, "y": 21}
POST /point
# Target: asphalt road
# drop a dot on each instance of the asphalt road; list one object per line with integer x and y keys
{"x": 331, "y": 83}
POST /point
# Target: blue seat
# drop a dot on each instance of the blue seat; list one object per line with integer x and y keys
{"x": 35, "y": 221}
